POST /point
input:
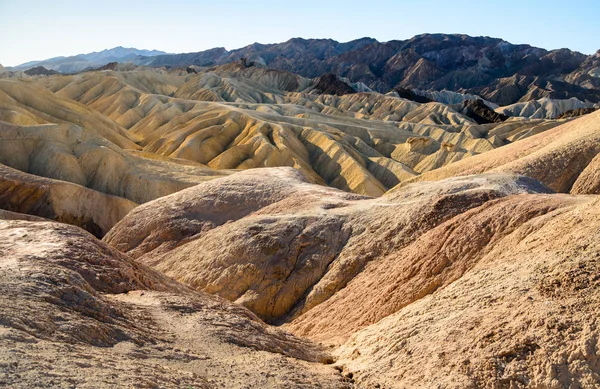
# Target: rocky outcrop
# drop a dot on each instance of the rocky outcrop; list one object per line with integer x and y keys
{"x": 573, "y": 113}
{"x": 452, "y": 98}
{"x": 494, "y": 69}
{"x": 588, "y": 181}
{"x": 587, "y": 75}
{"x": 556, "y": 158}
{"x": 538, "y": 269}
{"x": 544, "y": 108}
{"x": 330, "y": 84}
{"x": 290, "y": 244}
{"x": 350, "y": 271}
{"x": 481, "y": 113}
{"x": 40, "y": 71}
{"x": 412, "y": 96}
{"x": 108, "y": 66}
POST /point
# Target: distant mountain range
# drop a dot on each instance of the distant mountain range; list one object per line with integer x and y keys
{"x": 497, "y": 70}
{"x": 81, "y": 62}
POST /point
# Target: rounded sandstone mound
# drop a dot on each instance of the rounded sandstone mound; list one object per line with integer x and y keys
{"x": 524, "y": 315}
{"x": 279, "y": 245}
{"x": 467, "y": 281}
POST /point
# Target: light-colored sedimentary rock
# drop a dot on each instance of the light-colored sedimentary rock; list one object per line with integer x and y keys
{"x": 235, "y": 117}
{"x": 589, "y": 179}
{"x": 61, "y": 201}
{"x": 524, "y": 315}
{"x": 279, "y": 245}
{"x": 390, "y": 280}
{"x": 75, "y": 312}
{"x": 556, "y": 157}
{"x": 543, "y": 108}
{"x": 76, "y": 155}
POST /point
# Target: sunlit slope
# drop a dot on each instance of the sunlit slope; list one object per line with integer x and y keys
{"x": 234, "y": 117}
{"x": 559, "y": 158}
{"x": 72, "y": 153}
{"x": 24, "y": 103}
{"x": 61, "y": 201}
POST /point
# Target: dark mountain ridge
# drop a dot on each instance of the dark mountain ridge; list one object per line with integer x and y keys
{"x": 496, "y": 70}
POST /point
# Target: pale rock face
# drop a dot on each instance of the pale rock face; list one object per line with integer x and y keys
{"x": 588, "y": 181}
{"x": 543, "y": 108}
{"x": 452, "y": 98}
{"x": 73, "y": 154}
{"x": 212, "y": 204}
{"x": 524, "y": 314}
{"x": 145, "y": 133}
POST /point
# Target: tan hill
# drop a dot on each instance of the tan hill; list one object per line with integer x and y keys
{"x": 74, "y": 154}
{"x": 523, "y": 316}
{"x": 61, "y": 201}
{"x": 290, "y": 244}
{"x": 391, "y": 279}
{"x": 89, "y": 316}
{"x": 557, "y": 157}
{"x": 22, "y": 103}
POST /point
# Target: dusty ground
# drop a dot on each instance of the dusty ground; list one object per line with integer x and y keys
{"x": 75, "y": 313}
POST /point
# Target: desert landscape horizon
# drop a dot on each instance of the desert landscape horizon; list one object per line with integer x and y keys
{"x": 314, "y": 213}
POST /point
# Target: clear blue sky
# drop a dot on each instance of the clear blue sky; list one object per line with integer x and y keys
{"x": 33, "y": 30}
